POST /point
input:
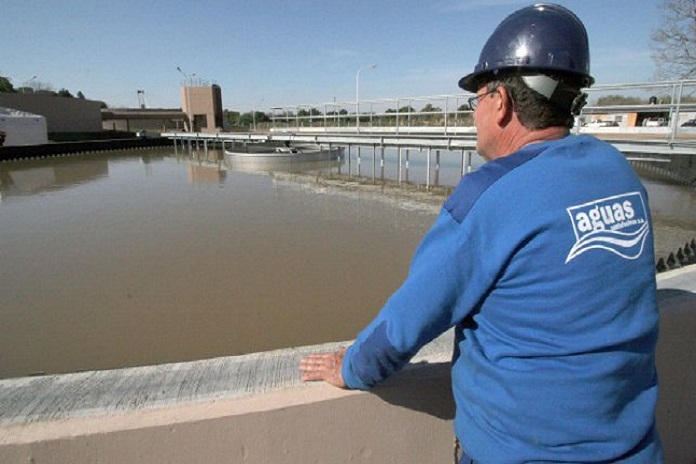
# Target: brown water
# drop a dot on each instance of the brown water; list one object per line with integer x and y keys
{"x": 129, "y": 259}
{"x": 114, "y": 261}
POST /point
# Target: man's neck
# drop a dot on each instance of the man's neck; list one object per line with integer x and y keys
{"x": 525, "y": 137}
{"x": 542, "y": 135}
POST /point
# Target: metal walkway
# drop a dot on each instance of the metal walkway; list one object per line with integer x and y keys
{"x": 650, "y": 119}
{"x": 630, "y": 141}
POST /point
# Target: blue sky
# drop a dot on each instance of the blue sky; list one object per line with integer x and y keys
{"x": 266, "y": 53}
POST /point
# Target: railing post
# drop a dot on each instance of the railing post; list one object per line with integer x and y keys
{"x": 427, "y": 184}
{"x": 349, "y": 157}
{"x": 400, "y": 173}
{"x": 358, "y": 168}
{"x": 374, "y": 162}
{"x": 446, "y": 112}
{"x": 674, "y": 120}
{"x": 381, "y": 163}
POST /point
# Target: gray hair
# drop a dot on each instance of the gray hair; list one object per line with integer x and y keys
{"x": 536, "y": 110}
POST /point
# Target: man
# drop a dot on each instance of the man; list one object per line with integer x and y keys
{"x": 542, "y": 261}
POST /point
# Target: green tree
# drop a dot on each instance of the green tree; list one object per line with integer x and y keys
{"x": 261, "y": 117}
{"x": 249, "y": 119}
{"x": 246, "y": 119}
{"x": 310, "y": 112}
{"x": 232, "y": 117}
{"x": 616, "y": 100}
{"x": 464, "y": 115}
{"x": 429, "y": 108}
{"x": 42, "y": 87}
{"x": 6, "y": 85}
{"x": 65, "y": 93}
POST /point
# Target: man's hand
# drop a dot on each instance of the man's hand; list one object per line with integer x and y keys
{"x": 323, "y": 367}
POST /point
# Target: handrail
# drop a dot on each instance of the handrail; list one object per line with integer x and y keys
{"x": 450, "y": 110}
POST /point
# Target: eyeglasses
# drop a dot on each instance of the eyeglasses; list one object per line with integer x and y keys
{"x": 474, "y": 101}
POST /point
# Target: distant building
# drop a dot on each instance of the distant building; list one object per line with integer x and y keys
{"x": 137, "y": 120}
{"x": 200, "y": 103}
{"x": 203, "y": 105}
{"x": 63, "y": 114}
{"x": 22, "y": 128}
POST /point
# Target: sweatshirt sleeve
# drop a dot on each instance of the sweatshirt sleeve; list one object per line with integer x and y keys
{"x": 450, "y": 274}
{"x": 426, "y": 305}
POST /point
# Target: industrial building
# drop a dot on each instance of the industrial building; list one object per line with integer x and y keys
{"x": 201, "y": 112}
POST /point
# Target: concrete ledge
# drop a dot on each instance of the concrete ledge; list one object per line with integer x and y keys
{"x": 249, "y": 408}
{"x": 253, "y": 408}
{"x": 55, "y": 397}
{"x": 298, "y": 425}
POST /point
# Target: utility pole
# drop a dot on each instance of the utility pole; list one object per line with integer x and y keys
{"x": 142, "y": 104}
{"x": 189, "y": 112}
{"x": 357, "y": 94}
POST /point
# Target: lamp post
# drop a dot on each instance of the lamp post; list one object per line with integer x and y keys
{"x": 28, "y": 84}
{"x": 357, "y": 94}
{"x": 189, "y": 113}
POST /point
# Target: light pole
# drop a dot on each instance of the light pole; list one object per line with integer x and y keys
{"x": 28, "y": 83}
{"x": 189, "y": 113}
{"x": 357, "y": 94}
{"x": 253, "y": 112}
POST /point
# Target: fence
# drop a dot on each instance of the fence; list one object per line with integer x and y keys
{"x": 651, "y": 104}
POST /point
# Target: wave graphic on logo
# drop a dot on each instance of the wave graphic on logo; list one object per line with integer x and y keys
{"x": 628, "y": 245}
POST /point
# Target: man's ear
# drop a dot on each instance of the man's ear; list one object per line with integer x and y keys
{"x": 505, "y": 107}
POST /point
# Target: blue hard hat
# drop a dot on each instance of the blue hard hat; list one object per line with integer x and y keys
{"x": 539, "y": 39}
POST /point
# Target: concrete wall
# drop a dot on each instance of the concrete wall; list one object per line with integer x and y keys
{"x": 313, "y": 424}
{"x": 205, "y": 104}
{"x": 152, "y": 120}
{"x": 218, "y": 415}
{"x": 63, "y": 114}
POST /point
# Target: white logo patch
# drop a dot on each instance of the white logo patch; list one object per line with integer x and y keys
{"x": 618, "y": 224}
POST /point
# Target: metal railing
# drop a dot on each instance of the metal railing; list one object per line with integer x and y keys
{"x": 650, "y": 104}
{"x": 644, "y": 121}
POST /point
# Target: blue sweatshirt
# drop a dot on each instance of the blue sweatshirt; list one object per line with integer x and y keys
{"x": 543, "y": 263}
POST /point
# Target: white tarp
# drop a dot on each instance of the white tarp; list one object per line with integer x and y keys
{"x": 22, "y": 128}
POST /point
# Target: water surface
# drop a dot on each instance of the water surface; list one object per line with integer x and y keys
{"x": 137, "y": 258}
{"x": 117, "y": 260}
